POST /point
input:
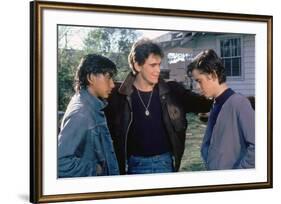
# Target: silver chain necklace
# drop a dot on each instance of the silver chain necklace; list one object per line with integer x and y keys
{"x": 146, "y": 107}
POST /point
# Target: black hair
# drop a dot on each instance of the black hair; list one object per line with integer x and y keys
{"x": 141, "y": 50}
{"x": 92, "y": 64}
{"x": 208, "y": 62}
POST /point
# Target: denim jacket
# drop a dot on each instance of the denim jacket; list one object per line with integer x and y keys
{"x": 84, "y": 144}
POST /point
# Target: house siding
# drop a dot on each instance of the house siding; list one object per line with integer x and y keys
{"x": 244, "y": 84}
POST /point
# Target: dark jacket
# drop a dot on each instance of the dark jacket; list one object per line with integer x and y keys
{"x": 175, "y": 101}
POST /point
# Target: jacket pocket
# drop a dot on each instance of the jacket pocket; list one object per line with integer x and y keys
{"x": 177, "y": 117}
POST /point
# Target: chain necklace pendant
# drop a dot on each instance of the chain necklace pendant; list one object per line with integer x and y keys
{"x": 147, "y": 113}
{"x": 146, "y": 106}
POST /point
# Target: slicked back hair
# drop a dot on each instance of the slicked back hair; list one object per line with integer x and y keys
{"x": 208, "y": 62}
{"x": 141, "y": 50}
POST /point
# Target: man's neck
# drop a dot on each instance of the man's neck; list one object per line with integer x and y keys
{"x": 143, "y": 85}
{"x": 221, "y": 89}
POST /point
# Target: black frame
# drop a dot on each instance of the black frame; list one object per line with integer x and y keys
{"x": 36, "y": 100}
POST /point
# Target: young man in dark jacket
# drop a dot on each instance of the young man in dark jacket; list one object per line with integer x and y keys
{"x": 147, "y": 116}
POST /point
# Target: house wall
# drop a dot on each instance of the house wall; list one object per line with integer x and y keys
{"x": 178, "y": 71}
{"x": 244, "y": 84}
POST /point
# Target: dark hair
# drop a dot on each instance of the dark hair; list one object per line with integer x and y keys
{"x": 208, "y": 62}
{"x": 141, "y": 50}
{"x": 92, "y": 64}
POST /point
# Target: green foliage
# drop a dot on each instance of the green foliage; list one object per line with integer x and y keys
{"x": 98, "y": 41}
{"x": 68, "y": 60}
{"x": 113, "y": 43}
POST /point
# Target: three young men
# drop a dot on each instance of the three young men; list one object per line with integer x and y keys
{"x": 146, "y": 118}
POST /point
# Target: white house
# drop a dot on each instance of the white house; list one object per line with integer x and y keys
{"x": 237, "y": 51}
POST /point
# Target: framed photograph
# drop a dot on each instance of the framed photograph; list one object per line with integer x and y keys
{"x": 62, "y": 33}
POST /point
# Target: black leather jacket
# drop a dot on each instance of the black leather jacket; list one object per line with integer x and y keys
{"x": 175, "y": 100}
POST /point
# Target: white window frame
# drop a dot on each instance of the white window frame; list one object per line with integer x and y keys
{"x": 228, "y": 37}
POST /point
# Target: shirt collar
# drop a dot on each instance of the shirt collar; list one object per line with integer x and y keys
{"x": 223, "y": 97}
{"x": 95, "y": 102}
{"x": 126, "y": 87}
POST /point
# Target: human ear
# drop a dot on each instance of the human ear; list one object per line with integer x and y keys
{"x": 91, "y": 79}
{"x": 214, "y": 75}
{"x": 137, "y": 66}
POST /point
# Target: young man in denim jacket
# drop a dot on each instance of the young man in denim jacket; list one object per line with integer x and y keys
{"x": 84, "y": 143}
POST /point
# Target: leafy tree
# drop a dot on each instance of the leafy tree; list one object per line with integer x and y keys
{"x": 98, "y": 41}
{"x": 68, "y": 60}
{"x": 113, "y": 43}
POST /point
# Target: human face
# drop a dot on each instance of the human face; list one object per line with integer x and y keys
{"x": 206, "y": 83}
{"x": 148, "y": 73}
{"x": 100, "y": 85}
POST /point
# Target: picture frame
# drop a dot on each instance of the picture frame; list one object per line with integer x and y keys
{"x": 44, "y": 18}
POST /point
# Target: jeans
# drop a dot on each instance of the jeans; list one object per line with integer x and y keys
{"x": 162, "y": 163}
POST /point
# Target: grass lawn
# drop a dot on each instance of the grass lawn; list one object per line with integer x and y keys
{"x": 191, "y": 160}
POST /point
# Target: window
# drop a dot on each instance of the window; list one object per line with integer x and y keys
{"x": 231, "y": 56}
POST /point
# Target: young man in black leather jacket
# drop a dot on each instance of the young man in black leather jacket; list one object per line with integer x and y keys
{"x": 147, "y": 116}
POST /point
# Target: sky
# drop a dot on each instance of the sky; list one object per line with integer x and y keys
{"x": 77, "y": 34}
{"x": 152, "y": 33}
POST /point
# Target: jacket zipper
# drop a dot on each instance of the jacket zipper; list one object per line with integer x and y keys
{"x": 127, "y": 132}
{"x": 163, "y": 102}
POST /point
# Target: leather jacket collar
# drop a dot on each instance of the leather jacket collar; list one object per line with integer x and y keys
{"x": 126, "y": 87}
